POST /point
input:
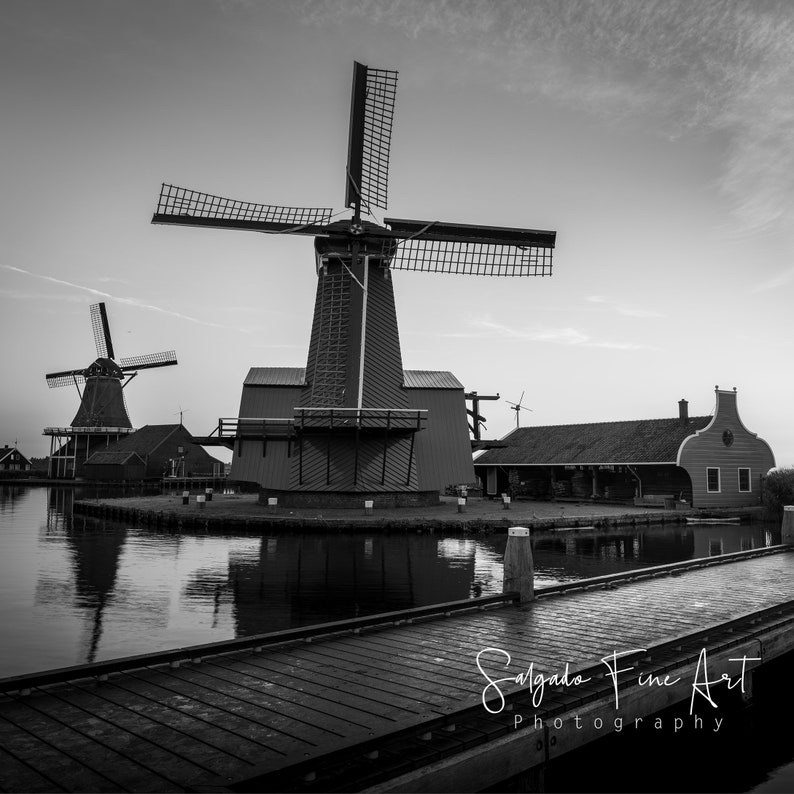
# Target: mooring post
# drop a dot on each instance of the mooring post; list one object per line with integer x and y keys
{"x": 185, "y": 497}
{"x": 519, "y": 574}
{"x": 201, "y": 501}
{"x": 272, "y": 503}
{"x": 208, "y": 494}
{"x": 461, "y": 505}
{"x": 787, "y": 530}
{"x": 368, "y": 506}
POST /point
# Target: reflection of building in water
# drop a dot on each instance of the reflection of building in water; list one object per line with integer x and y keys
{"x": 94, "y": 553}
{"x": 304, "y": 579}
{"x": 711, "y": 540}
{"x": 9, "y": 495}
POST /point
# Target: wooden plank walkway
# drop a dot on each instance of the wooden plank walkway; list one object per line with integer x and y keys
{"x": 233, "y": 716}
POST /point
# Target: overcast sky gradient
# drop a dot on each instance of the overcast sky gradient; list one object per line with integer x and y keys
{"x": 655, "y": 137}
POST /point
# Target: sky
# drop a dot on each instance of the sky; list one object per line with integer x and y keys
{"x": 654, "y": 137}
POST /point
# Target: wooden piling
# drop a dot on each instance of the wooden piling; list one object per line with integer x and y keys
{"x": 787, "y": 529}
{"x": 519, "y": 574}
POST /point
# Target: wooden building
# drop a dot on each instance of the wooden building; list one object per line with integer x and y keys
{"x": 11, "y": 459}
{"x": 399, "y": 457}
{"x": 152, "y": 452}
{"x": 708, "y": 461}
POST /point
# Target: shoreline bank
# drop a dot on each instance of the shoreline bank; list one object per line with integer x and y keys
{"x": 242, "y": 511}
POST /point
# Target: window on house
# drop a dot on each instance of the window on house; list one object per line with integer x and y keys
{"x": 713, "y": 479}
{"x": 744, "y": 480}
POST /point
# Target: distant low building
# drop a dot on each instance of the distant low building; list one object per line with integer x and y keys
{"x": 152, "y": 452}
{"x": 11, "y": 459}
{"x": 708, "y": 461}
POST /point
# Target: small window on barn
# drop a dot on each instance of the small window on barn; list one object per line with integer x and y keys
{"x": 713, "y": 479}
{"x": 744, "y": 480}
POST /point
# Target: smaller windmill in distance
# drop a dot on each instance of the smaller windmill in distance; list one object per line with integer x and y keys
{"x": 102, "y": 415}
{"x": 518, "y": 407}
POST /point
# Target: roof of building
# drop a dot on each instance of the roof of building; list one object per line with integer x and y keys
{"x": 296, "y": 376}
{"x": 145, "y": 440}
{"x": 430, "y": 379}
{"x": 275, "y": 376}
{"x": 115, "y": 458}
{"x": 601, "y": 443}
{"x": 6, "y": 451}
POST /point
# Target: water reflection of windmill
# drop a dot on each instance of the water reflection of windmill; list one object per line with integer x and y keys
{"x": 518, "y": 407}
{"x": 353, "y": 420}
{"x": 102, "y": 415}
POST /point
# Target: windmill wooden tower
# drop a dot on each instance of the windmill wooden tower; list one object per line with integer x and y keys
{"x": 102, "y": 415}
{"x": 353, "y": 420}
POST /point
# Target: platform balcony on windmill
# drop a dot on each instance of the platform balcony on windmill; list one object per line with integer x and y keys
{"x": 353, "y": 421}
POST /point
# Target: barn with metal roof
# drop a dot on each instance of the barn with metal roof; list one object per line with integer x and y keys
{"x": 708, "y": 461}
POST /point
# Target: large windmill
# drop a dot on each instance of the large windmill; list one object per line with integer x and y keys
{"x": 102, "y": 413}
{"x": 354, "y": 420}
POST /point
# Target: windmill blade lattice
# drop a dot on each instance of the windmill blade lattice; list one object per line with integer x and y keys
{"x": 430, "y": 246}
{"x": 67, "y": 378}
{"x": 148, "y": 361}
{"x": 192, "y": 207}
{"x": 101, "y": 328}
{"x": 369, "y": 143}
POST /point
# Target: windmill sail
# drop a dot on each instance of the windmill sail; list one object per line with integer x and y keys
{"x": 369, "y": 142}
{"x": 148, "y": 361}
{"x": 179, "y": 205}
{"x": 99, "y": 323}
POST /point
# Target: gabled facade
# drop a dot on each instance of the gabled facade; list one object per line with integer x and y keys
{"x": 11, "y": 459}
{"x": 708, "y": 461}
{"x": 157, "y": 451}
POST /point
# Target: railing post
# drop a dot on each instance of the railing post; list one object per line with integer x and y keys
{"x": 519, "y": 574}
{"x": 787, "y": 529}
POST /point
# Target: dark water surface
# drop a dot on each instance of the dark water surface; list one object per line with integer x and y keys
{"x": 74, "y": 590}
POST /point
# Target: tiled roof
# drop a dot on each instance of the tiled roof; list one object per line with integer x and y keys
{"x": 430, "y": 379}
{"x": 635, "y": 441}
{"x": 275, "y": 376}
{"x": 117, "y": 458}
{"x": 145, "y": 440}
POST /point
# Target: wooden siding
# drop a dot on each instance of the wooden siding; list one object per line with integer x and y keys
{"x": 313, "y": 469}
{"x": 443, "y": 448}
{"x": 383, "y": 366}
{"x": 253, "y": 460}
{"x": 706, "y": 449}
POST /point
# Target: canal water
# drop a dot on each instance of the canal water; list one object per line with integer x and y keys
{"x": 75, "y": 589}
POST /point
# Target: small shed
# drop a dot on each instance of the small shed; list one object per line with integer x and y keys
{"x": 115, "y": 466}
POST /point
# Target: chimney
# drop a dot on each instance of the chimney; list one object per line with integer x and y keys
{"x": 683, "y": 412}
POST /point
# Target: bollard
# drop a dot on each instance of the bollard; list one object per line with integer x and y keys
{"x": 787, "y": 530}
{"x": 208, "y": 494}
{"x": 368, "y": 506}
{"x": 201, "y": 501}
{"x": 461, "y": 505}
{"x": 185, "y": 497}
{"x": 506, "y": 502}
{"x": 272, "y": 503}
{"x": 519, "y": 575}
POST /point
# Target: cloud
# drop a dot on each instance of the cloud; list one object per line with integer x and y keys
{"x": 780, "y": 280}
{"x": 100, "y": 294}
{"x": 486, "y": 328}
{"x": 720, "y": 69}
{"x": 626, "y": 311}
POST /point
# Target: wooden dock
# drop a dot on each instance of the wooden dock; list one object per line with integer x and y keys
{"x": 392, "y": 702}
